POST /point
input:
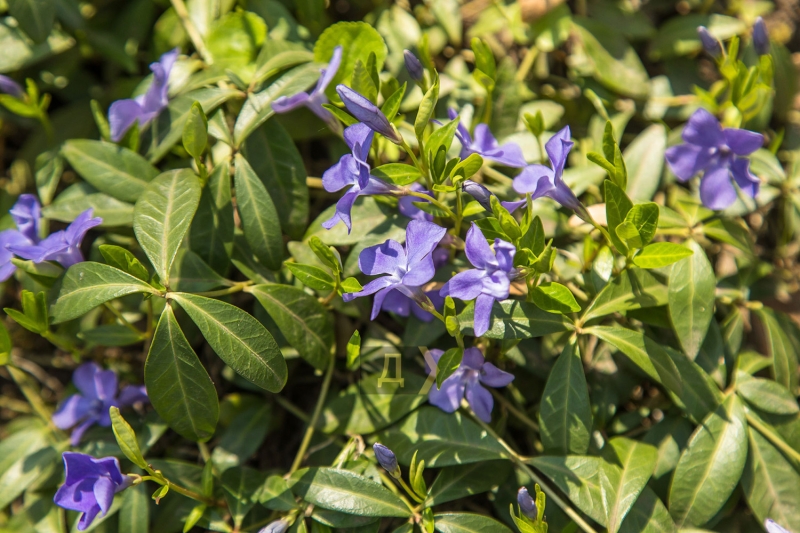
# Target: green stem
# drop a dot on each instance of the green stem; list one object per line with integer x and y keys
{"x": 236, "y": 287}
{"x": 433, "y": 201}
{"x": 496, "y": 175}
{"x": 121, "y": 318}
{"x": 421, "y": 166}
{"x": 409, "y": 490}
{"x": 323, "y": 394}
{"x": 776, "y": 440}
{"x": 522, "y": 417}
{"x": 191, "y": 31}
{"x": 292, "y": 408}
{"x": 211, "y": 502}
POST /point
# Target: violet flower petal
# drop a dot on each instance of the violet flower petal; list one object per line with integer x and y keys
{"x": 480, "y": 400}
{"x": 71, "y": 411}
{"x": 386, "y": 258}
{"x": 686, "y": 160}
{"x": 747, "y": 182}
{"x": 482, "y": 314}
{"x": 742, "y": 142}
{"x": 121, "y": 116}
{"x": 367, "y": 112}
{"x": 703, "y": 129}
{"x": 716, "y": 190}
{"x": 494, "y": 377}
{"x": 466, "y": 285}
{"x": 477, "y": 249}
{"x": 448, "y": 398}
{"x": 9, "y": 86}
{"x": 26, "y": 214}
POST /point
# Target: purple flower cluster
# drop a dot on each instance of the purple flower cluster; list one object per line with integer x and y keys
{"x": 485, "y": 145}
{"x": 62, "y": 246}
{"x": 98, "y": 393}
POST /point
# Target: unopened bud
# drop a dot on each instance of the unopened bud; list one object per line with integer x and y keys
{"x": 413, "y": 66}
{"x": 760, "y": 37}
{"x": 368, "y": 113}
{"x": 278, "y": 526}
{"x": 387, "y": 459}
{"x": 526, "y": 504}
{"x": 710, "y": 43}
{"x": 480, "y": 193}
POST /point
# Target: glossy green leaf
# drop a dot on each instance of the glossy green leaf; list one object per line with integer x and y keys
{"x": 260, "y": 221}
{"x": 347, "y": 492}
{"x": 644, "y": 159}
{"x": 639, "y": 226}
{"x": 554, "y": 298}
{"x": 244, "y": 435}
{"x": 191, "y": 274}
{"x": 565, "y": 415}
{"x": 648, "y": 515}
{"x": 448, "y": 363}
{"x": 211, "y": 233}
{"x": 468, "y": 523}
{"x": 87, "y": 285}
{"x": 512, "y": 319}
{"x": 305, "y": 323}
{"x": 119, "y": 257}
{"x": 426, "y": 108}
{"x": 109, "y": 168}
{"x": 372, "y": 223}
{"x": 661, "y": 254}
{"x": 692, "y": 286}
{"x": 35, "y": 17}
{"x": 79, "y": 197}
{"x": 162, "y": 217}
{"x": 195, "y": 131}
{"x": 783, "y": 352}
{"x": 126, "y": 438}
{"x": 638, "y": 460}
{"x": 767, "y": 395}
{"x": 312, "y": 276}
{"x": 177, "y": 383}
{"x": 134, "y": 513}
{"x": 241, "y": 486}
{"x": 112, "y": 335}
{"x": 399, "y": 174}
{"x": 24, "y": 456}
{"x": 632, "y": 289}
{"x": 617, "y": 207}
{"x": 711, "y": 465}
{"x": 454, "y": 482}
{"x": 20, "y": 52}
{"x": 238, "y": 339}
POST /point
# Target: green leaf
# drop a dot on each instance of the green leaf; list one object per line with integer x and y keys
{"x": 642, "y": 219}
{"x": 648, "y": 515}
{"x": 241, "y": 486}
{"x": 276, "y": 495}
{"x": 109, "y": 168}
{"x": 275, "y": 159}
{"x": 49, "y": 168}
{"x": 191, "y": 274}
{"x": 257, "y": 109}
{"x": 399, "y": 174}
{"x": 770, "y": 483}
{"x": 637, "y": 460}
{"x": 346, "y": 492}
{"x": 238, "y": 338}
{"x": 195, "y": 131}
{"x": 134, "y": 513}
{"x": 177, "y": 383}
{"x": 162, "y": 217}
{"x": 126, "y": 438}
{"x": 644, "y": 159}
{"x": 692, "y": 286}
{"x": 711, "y": 465}
{"x": 312, "y": 276}
{"x": 780, "y": 347}
{"x": 20, "y": 52}
{"x": 617, "y": 207}
{"x": 77, "y": 198}
{"x": 767, "y": 395}
{"x": 678, "y": 35}
{"x": 373, "y": 223}
{"x": 565, "y": 415}
{"x": 242, "y": 438}
{"x": 441, "y": 439}
{"x": 427, "y": 108}
{"x": 120, "y": 258}
{"x": 87, "y": 285}
{"x": 448, "y": 363}
{"x": 35, "y": 17}
{"x": 554, "y": 298}
{"x": 5, "y": 345}
{"x": 632, "y": 289}
{"x": 661, "y": 254}
{"x": 358, "y": 40}
{"x": 111, "y": 335}
{"x": 260, "y": 221}
{"x": 455, "y": 482}
{"x": 235, "y": 39}
{"x": 512, "y": 319}
{"x": 305, "y": 323}
{"x": 354, "y": 351}
{"x": 211, "y": 233}
{"x": 327, "y": 254}
{"x": 391, "y": 105}
{"x": 468, "y": 523}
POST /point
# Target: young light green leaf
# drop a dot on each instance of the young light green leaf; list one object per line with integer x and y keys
{"x": 643, "y": 220}
{"x": 468, "y": 523}
{"x": 162, "y": 217}
{"x": 426, "y": 108}
{"x": 691, "y": 298}
{"x": 260, "y": 222}
{"x": 617, "y": 207}
{"x": 661, "y": 254}
{"x": 120, "y": 258}
{"x": 637, "y": 460}
{"x": 238, "y": 338}
{"x": 354, "y": 350}
{"x": 555, "y": 298}
{"x": 126, "y": 438}
{"x": 178, "y": 385}
{"x": 326, "y": 254}
{"x": 195, "y": 131}
{"x": 312, "y": 276}
{"x": 399, "y": 174}
{"x": 448, "y": 363}
{"x": 565, "y": 416}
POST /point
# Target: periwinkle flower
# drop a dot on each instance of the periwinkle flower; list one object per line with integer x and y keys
{"x": 278, "y": 526}
{"x": 407, "y": 208}
{"x": 90, "y": 485}
{"x": 710, "y": 43}
{"x": 485, "y": 145}
{"x": 368, "y": 113}
{"x": 9, "y": 86}
{"x": 98, "y": 393}
{"x": 526, "y": 504}
{"x": 540, "y": 180}
{"x": 316, "y": 98}
{"x": 144, "y": 108}
{"x": 718, "y": 153}
{"x": 469, "y": 380}
{"x": 484, "y": 196}
{"x": 773, "y": 527}
{"x": 62, "y": 246}
{"x": 413, "y": 65}
{"x": 488, "y": 281}
{"x": 352, "y": 171}
{"x": 760, "y": 37}
{"x": 386, "y": 458}
{"x": 405, "y": 269}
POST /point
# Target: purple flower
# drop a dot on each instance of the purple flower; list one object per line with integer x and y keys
{"x": 386, "y": 458}
{"x": 278, "y": 526}
{"x": 526, "y": 503}
{"x": 484, "y": 196}
{"x": 488, "y": 281}
{"x": 406, "y": 268}
{"x": 486, "y": 146}
{"x": 26, "y": 214}
{"x": 760, "y": 37}
{"x": 317, "y": 97}
{"x": 9, "y": 86}
{"x": 368, "y": 113}
{"x": 710, "y": 43}
{"x": 90, "y": 485}
{"x": 413, "y": 66}
{"x": 398, "y": 303}
{"x": 718, "y": 153}
{"x": 352, "y": 171}
{"x": 8, "y": 238}
{"x": 62, "y": 246}
{"x": 407, "y": 208}
{"x": 98, "y": 393}
{"x": 540, "y": 180}
{"x": 144, "y": 108}
{"x": 773, "y": 527}
{"x": 470, "y": 377}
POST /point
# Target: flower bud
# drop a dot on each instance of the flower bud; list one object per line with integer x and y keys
{"x": 413, "y": 66}
{"x": 387, "y": 459}
{"x": 278, "y": 526}
{"x": 368, "y": 113}
{"x": 710, "y": 43}
{"x": 9, "y": 86}
{"x": 480, "y": 193}
{"x": 526, "y": 504}
{"x": 760, "y": 37}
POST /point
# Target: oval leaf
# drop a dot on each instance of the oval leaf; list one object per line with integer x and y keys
{"x": 691, "y": 298}
{"x": 260, "y": 223}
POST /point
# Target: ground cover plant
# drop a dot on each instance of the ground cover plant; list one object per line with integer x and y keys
{"x": 406, "y": 267}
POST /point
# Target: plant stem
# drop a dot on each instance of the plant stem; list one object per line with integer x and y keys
{"x": 236, "y": 287}
{"x": 121, "y": 318}
{"x": 432, "y": 200}
{"x": 422, "y": 168}
{"x": 292, "y": 408}
{"x": 496, "y": 175}
{"x": 194, "y": 35}
{"x": 211, "y": 502}
{"x": 522, "y": 417}
{"x": 551, "y": 494}
{"x": 323, "y": 394}
{"x": 776, "y": 440}
{"x": 409, "y": 490}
